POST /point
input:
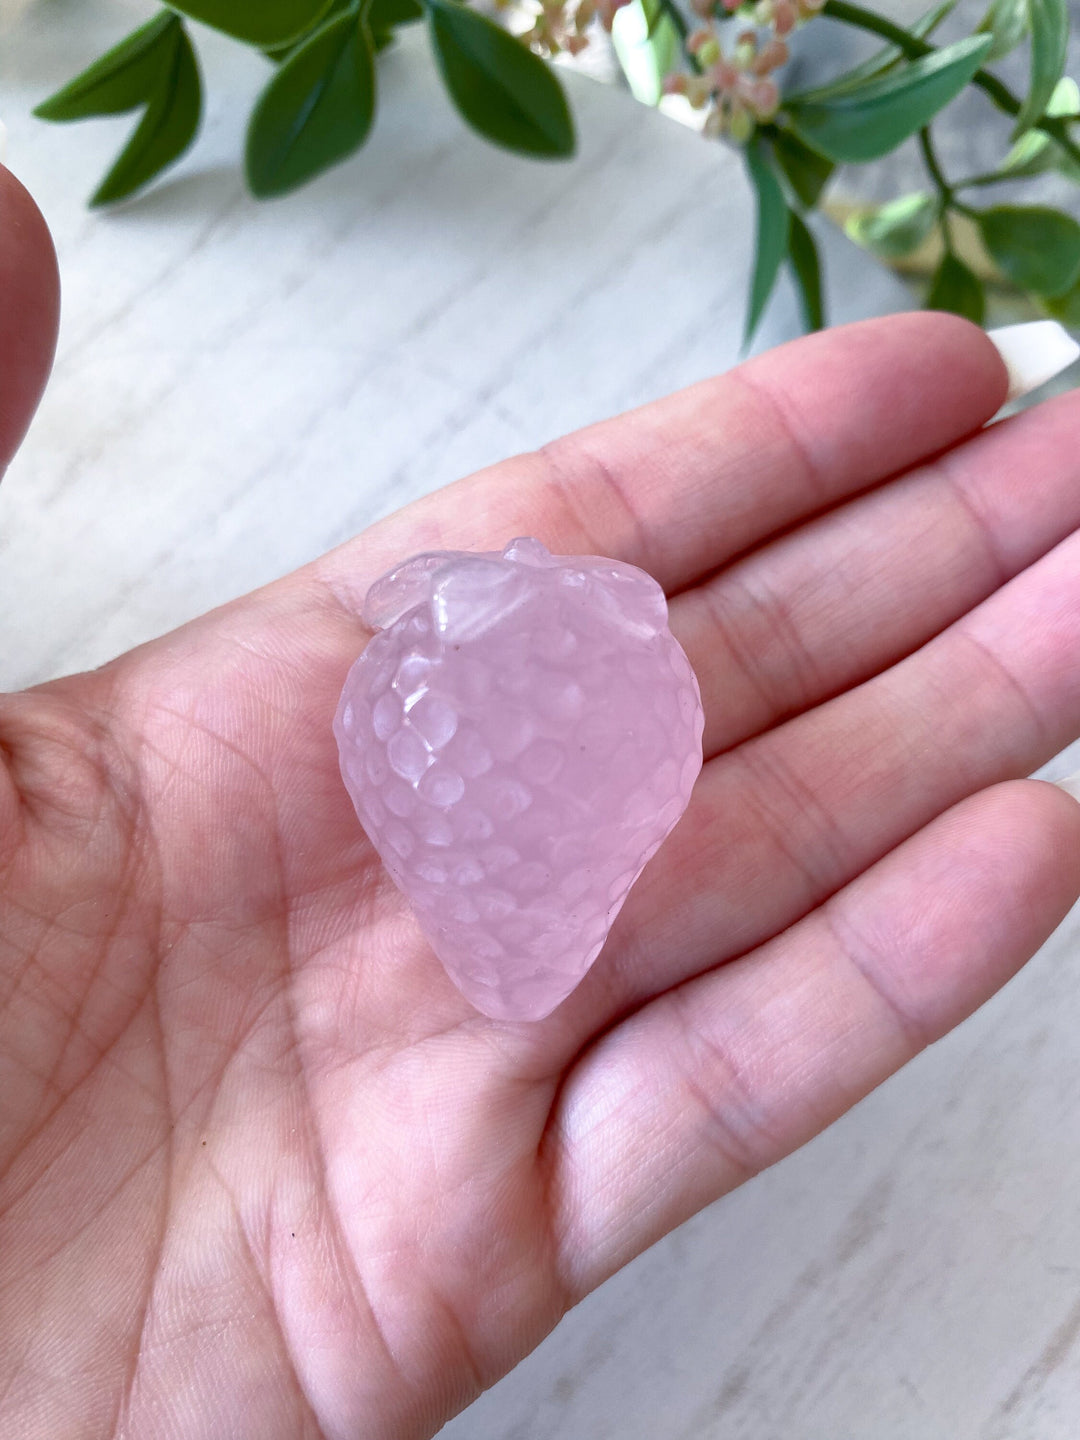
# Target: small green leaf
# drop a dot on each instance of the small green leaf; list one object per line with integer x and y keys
{"x": 872, "y": 119}
{"x": 956, "y": 289}
{"x": 259, "y": 22}
{"x": 1049, "y": 42}
{"x": 316, "y": 110}
{"x": 500, "y": 88}
{"x": 894, "y": 229}
{"x": 1006, "y": 22}
{"x": 1065, "y": 308}
{"x": 654, "y": 12}
{"x": 806, "y": 268}
{"x": 122, "y": 80}
{"x": 165, "y": 131}
{"x": 805, "y": 170}
{"x": 646, "y": 53}
{"x": 770, "y": 238}
{"x": 1037, "y": 248}
{"x": 885, "y": 59}
{"x": 386, "y": 14}
{"x": 1035, "y": 153}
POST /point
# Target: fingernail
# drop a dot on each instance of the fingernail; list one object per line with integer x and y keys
{"x": 1033, "y": 353}
{"x": 1071, "y": 785}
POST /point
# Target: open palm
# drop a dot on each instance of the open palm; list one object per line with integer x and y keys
{"x": 263, "y": 1172}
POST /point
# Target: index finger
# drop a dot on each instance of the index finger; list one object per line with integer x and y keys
{"x": 684, "y": 484}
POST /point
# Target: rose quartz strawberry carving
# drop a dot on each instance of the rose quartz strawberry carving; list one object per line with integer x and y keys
{"x": 518, "y": 739}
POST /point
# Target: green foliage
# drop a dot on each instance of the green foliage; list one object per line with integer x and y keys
{"x": 805, "y": 170}
{"x": 259, "y": 22}
{"x": 865, "y": 122}
{"x": 890, "y": 56}
{"x": 1065, "y": 308}
{"x": 503, "y": 90}
{"x": 957, "y": 289}
{"x": 154, "y": 67}
{"x": 1036, "y": 247}
{"x": 771, "y": 235}
{"x": 316, "y": 110}
{"x": 895, "y": 229}
{"x": 1006, "y": 22}
{"x": 806, "y": 271}
{"x": 1049, "y": 39}
{"x": 318, "y": 107}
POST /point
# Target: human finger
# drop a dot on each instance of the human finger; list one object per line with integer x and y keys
{"x": 724, "y": 1075}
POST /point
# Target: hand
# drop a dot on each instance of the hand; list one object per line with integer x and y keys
{"x": 263, "y": 1172}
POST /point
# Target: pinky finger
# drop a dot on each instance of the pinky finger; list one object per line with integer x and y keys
{"x": 724, "y": 1075}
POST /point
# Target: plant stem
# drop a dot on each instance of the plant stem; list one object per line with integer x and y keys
{"x": 915, "y": 49}
{"x": 933, "y": 165}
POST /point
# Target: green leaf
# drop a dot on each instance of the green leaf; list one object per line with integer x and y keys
{"x": 770, "y": 238}
{"x": 646, "y": 53}
{"x": 885, "y": 59}
{"x": 165, "y": 131}
{"x": 500, "y": 88}
{"x": 1035, "y": 153}
{"x": 956, "y": 289}
{"x": 1049, "y": 41}
{"x": 805, "y": 170}
{"x": 806, "y": 268}
{"x": 872, "y": 119}
{"x": 1037, "y": 248}
{"x": 316, "y": 110}
{"x": 386, "y": 14}
{"x": 894, "y": 229}
{"x": 259, "y": 22}
{"x": 1065, "y": 308}
{"x": 1006, "y": 22}
{"x": 122, "y": 80}
{"x": 154, "y": 67}
{"x": 654, "y": 12}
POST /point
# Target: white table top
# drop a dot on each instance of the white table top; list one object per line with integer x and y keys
{"x": 240, "y": 387}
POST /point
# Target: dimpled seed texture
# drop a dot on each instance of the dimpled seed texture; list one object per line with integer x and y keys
{"x": 518, "y": 739}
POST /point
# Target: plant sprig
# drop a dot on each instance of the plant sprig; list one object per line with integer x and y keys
{"x": 319, "y": 104}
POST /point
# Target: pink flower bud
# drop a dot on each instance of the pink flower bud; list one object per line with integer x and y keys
{"x": 732, "y": 5}
{"x": 705, "y": 8}
{"x": 785, "y": 17}
{"x": 674, "y": 84}
{"x": 697, "y": 40}
{"x": 724, "y": 76}
{"x": 772, "y": 57}
{"x": 766, "y": 99}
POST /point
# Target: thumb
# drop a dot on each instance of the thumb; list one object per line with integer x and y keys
{"x": 29, "y": 311}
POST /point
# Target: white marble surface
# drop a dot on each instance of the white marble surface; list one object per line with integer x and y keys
{"x": 238, "y": 388}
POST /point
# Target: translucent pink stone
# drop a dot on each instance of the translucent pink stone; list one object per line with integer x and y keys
{"x": 518, "y": 739}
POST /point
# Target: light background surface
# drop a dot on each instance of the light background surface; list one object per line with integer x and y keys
{"x": 241, "y": 386}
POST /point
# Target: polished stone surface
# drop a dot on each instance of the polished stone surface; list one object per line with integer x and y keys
{"x": 518, "y": 740}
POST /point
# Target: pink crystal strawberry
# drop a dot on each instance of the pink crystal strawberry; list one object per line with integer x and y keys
{"x": 518, "y": 739}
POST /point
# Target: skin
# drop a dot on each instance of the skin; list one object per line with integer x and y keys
{"x": 263, "y": 1172}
